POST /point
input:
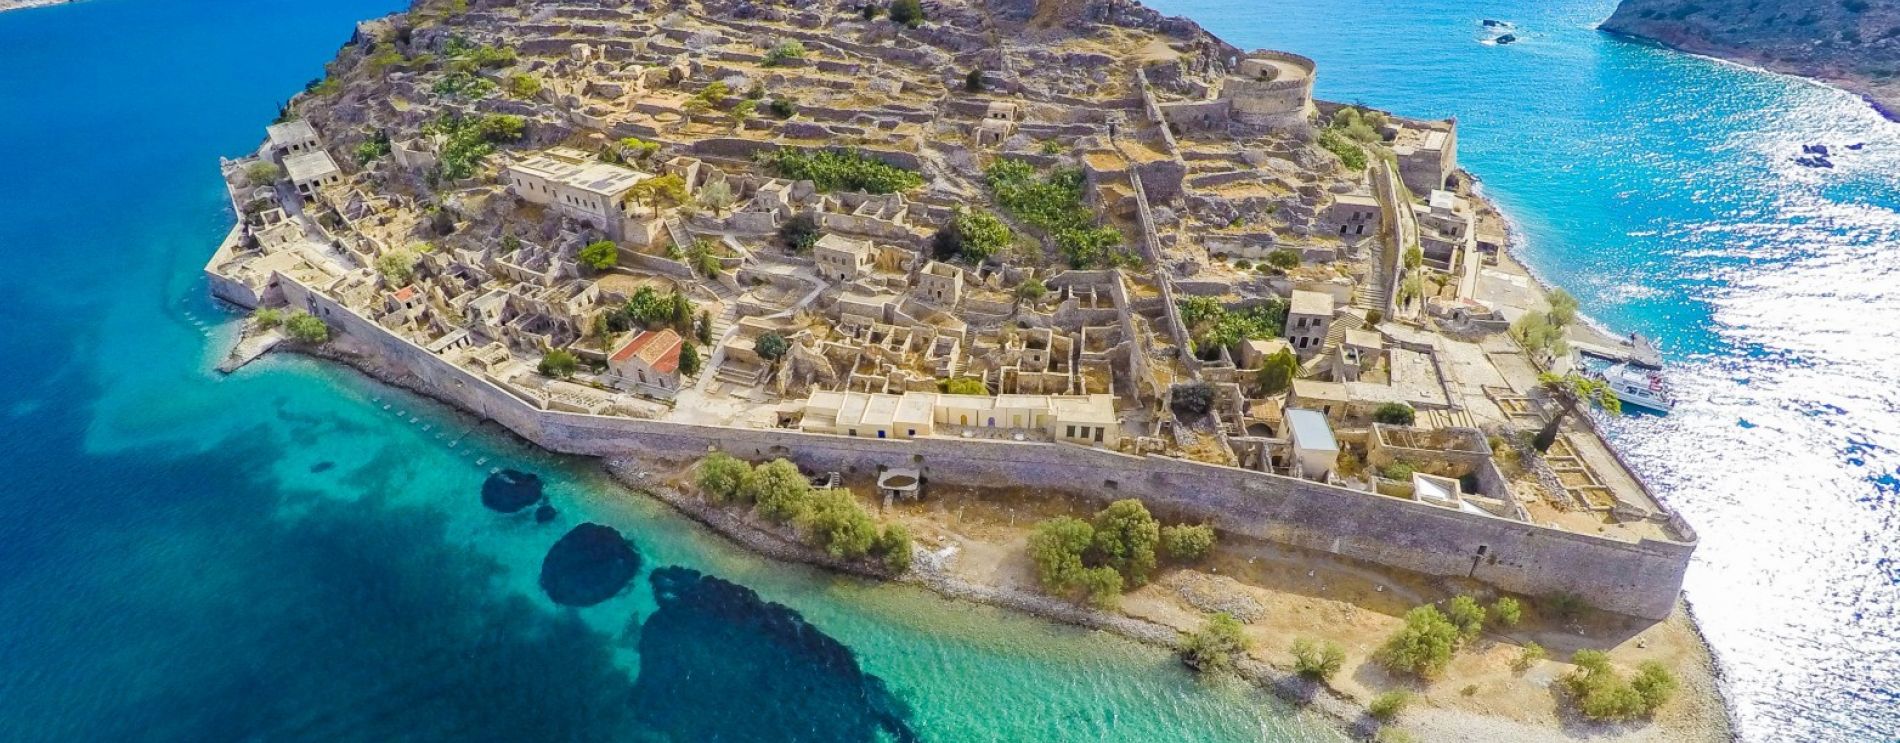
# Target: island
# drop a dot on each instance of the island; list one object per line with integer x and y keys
{"x": 1854, "y": 44}
{"x": 1062, "y": 305}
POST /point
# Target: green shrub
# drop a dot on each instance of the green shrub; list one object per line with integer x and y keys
{"x": 267, "y": 318}
{"x": 1317, "y": 661}
{"x": 689, "y": 359}
{"x": 600, "y": 255}
{"x": 1032, "y": 289}
{"x": 1529, "y": 656}
{"x": 558, "y": 363}
{"x": 466, "y": 140}
{"x": 779, "y": 489}
{"x": 849, "y": 170}
{"x": 463, "y": 86}
{"x": 770, "y": 346}
{"x": 1603, "y": 694}
{"x": 651, "y": 310}
{"x": 1395, "y": 414}
{"x": 374, "y": 148}
{"x": 721, "y": 475}
{"x": 523, "y": 85}
{"x": 1505, "y": 612}
{"x": 1185, "y": 543}
{"x": 1217, "y": 646}
{"x": 1423, "y": 647}
{"x": 907, "y": 12}
{"x": 785, "y": 51}
{"x": 893, "y": 547}
{"x": 1102, "y": 585}
{"x": 973, "y": 81}
{"x": 304, "y": 327}
{"x": 782, "y": 107}
{"x": 1465, "y": 613}
{"x": 799, "y": 233}
{"x": 1387, "y": 706}
{"x": 1285, "y": 259}
{"x": 974, "y": 235}
{"x": 835, "y": 521}
{"x": 1057, "y": 547}
{"x": 1400, "y": 470}
{"x": 1213, "y": 326}
{"x": 965, "y": 386}
{"x": 1350, "y": 153}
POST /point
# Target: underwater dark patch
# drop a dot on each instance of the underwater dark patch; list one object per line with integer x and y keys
{"x": 714, "y": 647}
{"x": 323, "y": 466}
{"x": 544, "y": 514}
{"x": 509, "y": 491}
{"x": 590, "y": 564}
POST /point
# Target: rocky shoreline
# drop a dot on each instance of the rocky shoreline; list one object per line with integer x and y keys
{"x": 6, "y": 5}
{"x": 1350, "y": 716}
{"x": 1828, "y": 48}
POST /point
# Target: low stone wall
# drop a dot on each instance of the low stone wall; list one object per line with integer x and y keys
{"x": 1641, "y": 578}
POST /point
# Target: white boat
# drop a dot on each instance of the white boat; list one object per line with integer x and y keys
{"x": 1640, "y": 386}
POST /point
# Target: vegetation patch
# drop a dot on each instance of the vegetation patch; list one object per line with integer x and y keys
{"x": 840, "y": 170}
{"x": 1054, "y": 205}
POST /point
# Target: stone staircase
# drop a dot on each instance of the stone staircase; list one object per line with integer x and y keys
{"x": 677, "y": 230}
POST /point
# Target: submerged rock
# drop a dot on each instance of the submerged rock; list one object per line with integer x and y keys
{"x": 590, "y": 564}
{"x": 544, "y": 514}
{"x": 714, "y": 646}
{"x": 1507, "y": 39}
{"x": 323, "y": 466}
{"x": 509, "y": 491}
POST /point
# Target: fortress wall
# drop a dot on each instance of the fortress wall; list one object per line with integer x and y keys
{"x": 1641, "y": 578}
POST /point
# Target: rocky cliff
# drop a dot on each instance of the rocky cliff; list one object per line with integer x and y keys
{"x": 1851, "y": 43}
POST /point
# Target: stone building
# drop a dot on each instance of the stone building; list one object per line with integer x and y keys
{"x": 576, "y": 184}
{"x": 1427, "y": 153}
{"x": 1307, "y": 320}
{"x": 842, "y": 258}
{"x": 311, "y": 171}
{"x": 649, "y": 362}
{"x": 293, "y": 138}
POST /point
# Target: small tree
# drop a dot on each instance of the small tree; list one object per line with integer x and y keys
{"x": 721, "y": 475}
{"x": 770, "y": 346}
{"x": 782, "y": 107}
{"x": 1563, "y": 308}
{"x": 742, "y": 112}
{"x": 1395, "y": 414}
{"x": 1285, "y": 259}
{"x": 837, "y": 523}
{"x": 893, "y": 547}
{"x": 1414, "y": 257}
{"x": 1386, "y": 707}
{"x": 907, "y": 12}
{"x": 263, "y": 173}
{"x": 779, "y": 489}
{"x": 1186, "y": 543}
{"x": 1423, "y": 647}
{"x": 1217, "y": 646}
{"x": 1603, "y": 694}
{"x": 1126, "y": 536}
{"x": 799, "y": 233}
{"x": 1278, "y": 371}
{"x": 1572, "y": 391}
{"x": 1056, "y": 548}
{"x": 1032, "y": 289}
{"x": 600, "y": 255}
{"x": 661, "y": 190}
{"x": 397, "y": 266}
{"x": 703, "y": 328}
{"x": 305, "y": 328}
{"x": 559, "y": 363}
{"x": 716, "y": 196}
{"x": 689, "y": 359}
{"x": 267, "y": 318}
{"x": 973, "y": 81}
{"x": 523, "y": 85}
{"x": 1317, "y": 661}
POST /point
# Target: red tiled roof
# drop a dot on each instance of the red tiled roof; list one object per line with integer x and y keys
{"x": 659, "y": 350}
{"x": 404, "y": 294}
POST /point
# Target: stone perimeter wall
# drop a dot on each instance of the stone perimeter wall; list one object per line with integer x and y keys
{"x": 1641, "y": 579}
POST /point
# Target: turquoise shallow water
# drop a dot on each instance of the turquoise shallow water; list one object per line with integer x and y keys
{"x": 294, "y": 553}
{"x": 1660, "y": 189}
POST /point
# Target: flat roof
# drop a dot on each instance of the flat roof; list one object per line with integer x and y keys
{"x": 1309, "y": 429}
{"x": 606, "y": 179}
{"x": 290, "y": 132}
{"x": 1311, "y": 303}
{"x": 309, "y": 166}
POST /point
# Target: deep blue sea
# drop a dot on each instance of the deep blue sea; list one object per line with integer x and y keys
{"x": 294, "y": 553}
